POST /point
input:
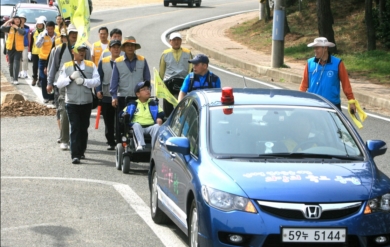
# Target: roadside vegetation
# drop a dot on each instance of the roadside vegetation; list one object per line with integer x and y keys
{"x": 350, "y": 34}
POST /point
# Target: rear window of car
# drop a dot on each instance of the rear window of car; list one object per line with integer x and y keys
{"x": 257, "y": 130}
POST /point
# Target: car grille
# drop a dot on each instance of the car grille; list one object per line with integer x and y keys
{"x": 300, "y": 211}
{"x": 298, "y": 215}
{"x": 274, "y": 240}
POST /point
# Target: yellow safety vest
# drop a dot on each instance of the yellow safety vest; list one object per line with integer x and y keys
{"x": 46, "y": 48}
{"x": 57, "y": 30}
{"x": 19, "y": 40}
{"x": 58, "y": 41}
{"x": 97, "y": 52}
{"x": 35, "y": 49}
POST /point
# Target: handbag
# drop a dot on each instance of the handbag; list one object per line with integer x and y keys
{"x": 95, "y": 99}
{"x": 174, "y": 85}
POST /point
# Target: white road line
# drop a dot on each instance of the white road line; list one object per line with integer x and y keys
{"x": 167, "y": 237}
{"x": 163, "y": 233}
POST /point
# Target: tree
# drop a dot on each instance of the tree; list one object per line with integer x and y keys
{"x": 325, "y": 22}
{"x": 371, "y": 39}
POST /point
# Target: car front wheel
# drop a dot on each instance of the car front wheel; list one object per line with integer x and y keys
{"x": 193, "y": 230}
{"x": 158, "y": 216}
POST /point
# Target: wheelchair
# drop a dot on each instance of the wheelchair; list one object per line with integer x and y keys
{"x": 125, "y": 151}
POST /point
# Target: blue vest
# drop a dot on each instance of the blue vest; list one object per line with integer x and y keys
{"x": 325, "y": 79}
{"x": 153, "y": 108}
{"x": 210, "y": 82}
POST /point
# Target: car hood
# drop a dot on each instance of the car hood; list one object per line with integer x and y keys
{"x": 6, "y": 10}
{"x": 301, "y": 182}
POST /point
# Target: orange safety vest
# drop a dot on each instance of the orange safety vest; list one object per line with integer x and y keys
{"x": 46, "y": 48}
{"x": 97, "y": 52}
{"x": 19, "y": 40}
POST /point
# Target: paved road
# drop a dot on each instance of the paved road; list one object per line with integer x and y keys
{"x": 47, "y": 201}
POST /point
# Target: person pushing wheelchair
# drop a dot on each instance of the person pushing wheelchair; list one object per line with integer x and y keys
{"x": 145, "y": 114}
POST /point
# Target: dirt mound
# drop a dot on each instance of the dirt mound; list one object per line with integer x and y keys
{"x": 25, "y": 108}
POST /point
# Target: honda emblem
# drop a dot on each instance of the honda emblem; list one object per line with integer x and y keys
{"x": 312, "y": 212}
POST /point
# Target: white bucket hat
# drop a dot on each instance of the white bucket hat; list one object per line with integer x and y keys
{"x": 321, "y": 41}
{"x": 72, "y": 28}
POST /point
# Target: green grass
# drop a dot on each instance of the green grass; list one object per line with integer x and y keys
{"x": 372, "y": 64}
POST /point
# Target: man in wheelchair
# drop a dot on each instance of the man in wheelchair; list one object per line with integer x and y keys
{"x": 145, "y": 115}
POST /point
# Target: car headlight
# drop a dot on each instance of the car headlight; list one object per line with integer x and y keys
{"x": 379, "y": 204}
{"x": 226, "y": 201}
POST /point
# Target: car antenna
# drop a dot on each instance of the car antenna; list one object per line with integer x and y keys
{"x": 243, "y": 77}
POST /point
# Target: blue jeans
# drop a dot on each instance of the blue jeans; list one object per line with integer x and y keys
{"x": 43, "y": 80}
{"x": 78, "y": 116}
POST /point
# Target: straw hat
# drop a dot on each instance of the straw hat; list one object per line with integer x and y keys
{"x": 130, "y": 40}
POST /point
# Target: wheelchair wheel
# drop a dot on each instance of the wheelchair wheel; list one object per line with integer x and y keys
{"x": 119, "y": 156}
{"x": 126, "y": 164}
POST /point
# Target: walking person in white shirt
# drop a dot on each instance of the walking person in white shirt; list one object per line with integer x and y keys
{"x": 78, "y": 77}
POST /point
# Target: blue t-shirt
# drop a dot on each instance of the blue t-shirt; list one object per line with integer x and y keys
{"x": 202, "y": 79}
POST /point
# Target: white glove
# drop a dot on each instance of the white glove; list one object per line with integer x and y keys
{"x": 29, "y": 56}
{"x": 44, "y": 33}
{"x": 75, "y": 75}
{"x": 79, "y": 81}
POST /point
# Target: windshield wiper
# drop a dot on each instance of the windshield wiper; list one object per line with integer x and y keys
{"x": 310, "y": 155}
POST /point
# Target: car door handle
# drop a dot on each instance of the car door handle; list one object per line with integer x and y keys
{"x": 173, "y": 155}
{"x": 161, "y": 140}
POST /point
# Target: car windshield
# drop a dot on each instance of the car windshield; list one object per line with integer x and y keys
{"x": 288, "y": 132}
{"x": 32, "y": 14}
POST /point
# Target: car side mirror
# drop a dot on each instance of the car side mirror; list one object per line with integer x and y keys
{"x": 376, "y": 147}
{"x": 178, "y": 145}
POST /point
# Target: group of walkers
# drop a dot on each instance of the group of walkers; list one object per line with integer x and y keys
{"x": 111, "y": 69}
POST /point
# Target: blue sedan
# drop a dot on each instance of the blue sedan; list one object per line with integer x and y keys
{"x": 265, "y": 167}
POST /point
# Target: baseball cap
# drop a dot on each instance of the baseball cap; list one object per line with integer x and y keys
{"x": 82, "y": 46}
{"x": 115, "y": 42}
{"x": 200, "y": 58}
{"x": 141, "y": 85}
{"x": 174, "y": 35}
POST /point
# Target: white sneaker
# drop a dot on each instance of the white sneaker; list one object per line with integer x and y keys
{"x": 64, "y": 146}
{"x": 16, "y": 83}
{"x": 139, "y": 148}
{"x": 24, "y": 74}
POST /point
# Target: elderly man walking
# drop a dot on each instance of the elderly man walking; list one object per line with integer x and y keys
{"x": 174, "y": 67}
{"x": 127, "y": 71}
{"x": 323, "y": 74}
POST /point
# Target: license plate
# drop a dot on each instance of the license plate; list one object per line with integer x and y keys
{"x": 318, "y": 235}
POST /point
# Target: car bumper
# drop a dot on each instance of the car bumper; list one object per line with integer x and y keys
{"x": 263, "y": 229}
